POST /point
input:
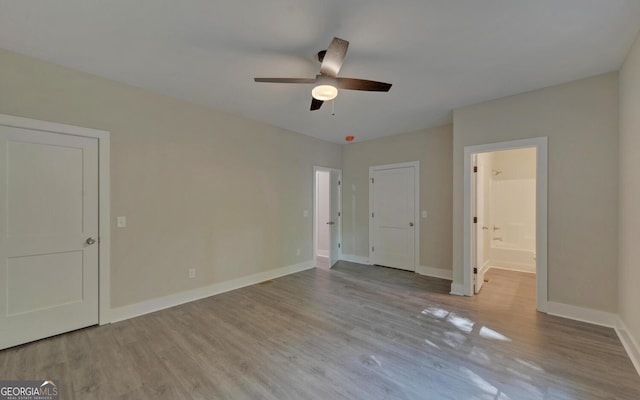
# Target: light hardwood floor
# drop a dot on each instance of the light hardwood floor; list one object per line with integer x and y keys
{"x": 354, "y": 332}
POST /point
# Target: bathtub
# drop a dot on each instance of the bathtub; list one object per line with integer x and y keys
{"x": 506, "y": 257}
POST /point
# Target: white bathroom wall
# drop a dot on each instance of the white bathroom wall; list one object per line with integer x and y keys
{"x": 513, "y": 195}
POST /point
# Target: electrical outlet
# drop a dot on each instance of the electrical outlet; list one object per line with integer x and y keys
{"x": 192, "y": 273}
{"x": 297, "y": 252}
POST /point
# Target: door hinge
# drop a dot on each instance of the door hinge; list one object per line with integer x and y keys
{"x": 475, "y": 270}
{"x": 338, "y": 245}
{"x": 371, "y": 180}
{"x": 371, "y": 215}
{"x": 475, "y": 169}
{"x": 372, "y": 248}
{"x": 339, "y": 214}
{"x": 338, "y": 183}
{"x": 475, "y": 220}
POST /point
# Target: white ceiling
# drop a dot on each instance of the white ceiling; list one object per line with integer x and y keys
{"x": 438, "y": 54}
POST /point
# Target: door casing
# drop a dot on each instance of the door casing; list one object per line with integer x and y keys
{"x": 104, "y": 239}
{"x": 315, "y": 208}
{"x": 541, "y": 145}
{"x": 416, "y": 207}
{"x": 477, "y": 234}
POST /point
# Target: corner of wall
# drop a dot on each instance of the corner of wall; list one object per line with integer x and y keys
{"x": 172, "y": 300}
{"x": 457, "y": 289}
{"x": 435, "y": 272}
{"x": 629, "y": 343}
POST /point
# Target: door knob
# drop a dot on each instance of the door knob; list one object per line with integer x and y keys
{"x": 330, "y": 223}
{"x": 410, "y": 223}
{"x": 91, "y": 241}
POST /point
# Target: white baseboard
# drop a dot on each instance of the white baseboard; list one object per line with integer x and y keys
{"x": 602, "y": 318}
{"x": 322, "y": 262}
{"x": 457, "y": 289}
{"x": 596, "y": 317}
{"x": 355, "y": 259}
{"x": 629, "y": 343}
{"x": 434, "y": 272}
{"x": 513, "y": 266}
{"x": 172, "y": 300}
{"x": 485, "y": 267}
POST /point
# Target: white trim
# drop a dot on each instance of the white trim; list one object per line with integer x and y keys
{"x": 104, "y": 243}
{"x": 314, "y": 211}
{"x": 485, "y": 267}
{"x": 541, "y": 145}
{"x": 416, "y": 206}
{"x": 511, "y": 266}
{"x": 356, "y": 259}
{"x": 457, "y": 289}
{"x": 316, "y": 169}
{"x": 435, "y": 272}
{"x": 322, "y": 262}
{"x": 601, "y": 318}
{"x": 629, "y": 343}
{"x": 596, "y": 317}
{"x": 172, "y": 300}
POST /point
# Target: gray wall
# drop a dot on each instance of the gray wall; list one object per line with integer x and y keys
{"x": 629, "y": 213}
{"x": 581, "y": 122}
{"x": 432, "y": 147}
{"x": 200, "y": 188}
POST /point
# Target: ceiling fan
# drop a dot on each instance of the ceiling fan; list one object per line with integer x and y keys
{"x": 327, "y": 82}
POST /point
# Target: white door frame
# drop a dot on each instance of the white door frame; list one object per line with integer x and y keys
{"x": 541, "y": 145}
{"x": 315, "y": 216}
{"x": 416, "y": 207}
{"x": 104, "y": 240}
{"x": 475, "y": 237}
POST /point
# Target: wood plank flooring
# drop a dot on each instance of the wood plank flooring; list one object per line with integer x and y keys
{"x": 353, "y": 332}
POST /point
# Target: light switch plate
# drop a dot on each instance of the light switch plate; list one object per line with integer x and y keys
{"x": 305, "y": 213}
{"x": 424, "y": 214}
{"x": 121, "y": 222}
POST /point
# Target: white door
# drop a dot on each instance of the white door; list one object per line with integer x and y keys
{"x": 335, "y": 216}
{"x": 48, "y": 234}
{"x": 393, "y": 211}
{"x": 480, "y": 223}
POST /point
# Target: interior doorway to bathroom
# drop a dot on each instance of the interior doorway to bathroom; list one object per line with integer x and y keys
{"x": 505, "y": 183}
{"x": 506, "y": 200}
{"x": 327, "y": 216}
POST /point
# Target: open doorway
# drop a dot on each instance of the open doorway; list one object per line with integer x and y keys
{"x": 505, "y": 215}
{"x": 505, "y": 197}
{"x": 327, "y": 216}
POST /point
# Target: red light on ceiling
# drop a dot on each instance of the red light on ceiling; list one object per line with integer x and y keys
{"x": 349, "y": 138}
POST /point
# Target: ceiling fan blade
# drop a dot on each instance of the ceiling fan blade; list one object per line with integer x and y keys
{"x": 334, "y": 57}
{"x": 286, "y": 80}
{"x": 316, "y": 104}
{"x": 362, "y": 84}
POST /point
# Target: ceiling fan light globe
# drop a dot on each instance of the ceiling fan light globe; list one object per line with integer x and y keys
{"x": 324, "y": 92}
